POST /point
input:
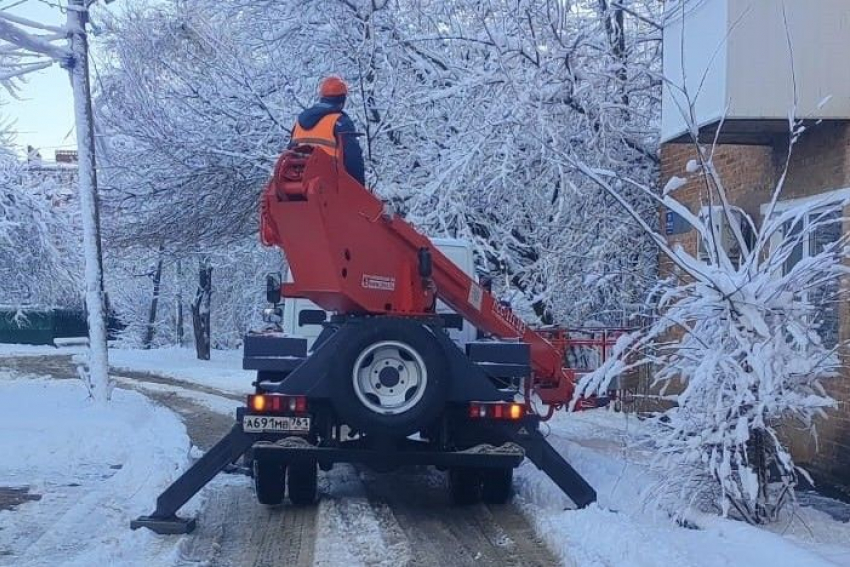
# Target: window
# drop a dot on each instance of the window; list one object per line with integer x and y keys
{"x": 717, "y": 220}
{"x": 823, "y": 297}
{"x": 311, "y": 317}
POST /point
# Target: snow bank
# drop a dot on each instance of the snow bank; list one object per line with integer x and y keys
{"x": 95, "y": 467}
{"x": 223, "y": 371}
{"x": 630, "y": 525}
{"x": 39, "y": 350}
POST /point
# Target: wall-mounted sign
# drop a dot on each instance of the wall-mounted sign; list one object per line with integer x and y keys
{"x": 674, "y": 224}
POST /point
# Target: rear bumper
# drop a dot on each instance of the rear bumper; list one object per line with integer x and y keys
{"x": 290, "y": 450}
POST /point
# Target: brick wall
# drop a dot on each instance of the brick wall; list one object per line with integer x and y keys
{"x": 820, "y": 162}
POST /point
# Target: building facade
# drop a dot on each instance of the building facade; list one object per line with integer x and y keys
{"x": 736, "y": 71}
{"x": 819, "y": 164}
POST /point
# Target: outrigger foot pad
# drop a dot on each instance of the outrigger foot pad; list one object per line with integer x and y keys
{"x": 165, "y": 526}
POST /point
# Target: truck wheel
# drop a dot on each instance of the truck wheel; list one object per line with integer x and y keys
{"x": 391, "y": 378}
{"x": 269, "y": 482}
{"x": 464, "y": 486}
{"x": 497, "y": 485}
{"x": 302, "y": 480}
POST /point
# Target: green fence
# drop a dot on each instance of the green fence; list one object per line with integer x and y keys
{"x": 41, "y": 326}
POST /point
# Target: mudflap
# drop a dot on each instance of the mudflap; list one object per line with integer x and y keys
{"x": 164, "y": 519}
{"x": 548, "y": 460}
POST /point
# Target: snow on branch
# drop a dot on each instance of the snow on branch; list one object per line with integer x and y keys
{"x": 745, "y": 333}
{"x": 457, "y": 129}
{"x": 42, "y": 44}
{"x": 56, "y": 30}
{"x": 24, "y": 50}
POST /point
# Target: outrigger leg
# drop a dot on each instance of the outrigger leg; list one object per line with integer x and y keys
{"x": 547, "y": 459}
{"x": 164, "y": 519}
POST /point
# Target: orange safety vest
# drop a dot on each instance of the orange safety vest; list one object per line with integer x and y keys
{"x": 321, "y": 135}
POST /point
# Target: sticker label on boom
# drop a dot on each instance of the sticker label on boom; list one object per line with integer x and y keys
{"x": 476, "y": 295}
{"x": 382, "y": 283}
{"x": 510, "y": 319}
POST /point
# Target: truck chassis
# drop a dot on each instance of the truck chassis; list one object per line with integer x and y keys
{"x": 475, "y": 450}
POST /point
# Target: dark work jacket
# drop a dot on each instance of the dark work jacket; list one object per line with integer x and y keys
{"x": 343, "y": 130}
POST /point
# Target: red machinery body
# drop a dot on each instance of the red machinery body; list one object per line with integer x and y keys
{"x": 349, "y": 254}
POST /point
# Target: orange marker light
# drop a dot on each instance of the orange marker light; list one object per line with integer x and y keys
{"x": 516, "y": 411}
{"x": 258, "y": 403}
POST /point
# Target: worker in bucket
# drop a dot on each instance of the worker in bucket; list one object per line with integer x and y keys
{"x": 326, "y": 126}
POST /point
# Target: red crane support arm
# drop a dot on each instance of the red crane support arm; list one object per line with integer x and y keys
{"x": 349, "y": 254}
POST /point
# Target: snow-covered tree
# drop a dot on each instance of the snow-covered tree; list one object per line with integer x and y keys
{"x": 460, "y": 106}
{"x": 39, "y": 264}
{"x": 533, "y": 78}
{"x": 238, "y": 274}
{"x": 740, "y": 343}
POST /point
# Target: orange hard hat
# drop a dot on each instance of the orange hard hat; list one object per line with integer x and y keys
{"x": 332, "y": 86}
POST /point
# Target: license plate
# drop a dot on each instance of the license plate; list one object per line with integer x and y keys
{"x": 283, "y": 424}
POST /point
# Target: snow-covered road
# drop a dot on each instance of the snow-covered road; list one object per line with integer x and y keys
{"x": 401, "y": 518}
{"x": 362, "y": 518}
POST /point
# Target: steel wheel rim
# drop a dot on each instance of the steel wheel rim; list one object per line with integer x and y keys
{"x": 389, "y": 377}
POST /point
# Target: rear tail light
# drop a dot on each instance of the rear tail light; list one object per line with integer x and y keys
{"x": 496, "y": 410}
{"x": 276, "y": 403}
{"x": 257, "y": 403}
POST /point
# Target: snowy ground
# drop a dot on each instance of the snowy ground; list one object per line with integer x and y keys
{"x": 628, "y": 526}
{"x": 77, "y": 459}
{"x": 91, "y": 470}
{"x": 223, "y": 372}
{"x": 38, "y": 350}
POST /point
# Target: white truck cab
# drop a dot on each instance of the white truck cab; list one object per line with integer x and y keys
{"x": 303, "y": 318}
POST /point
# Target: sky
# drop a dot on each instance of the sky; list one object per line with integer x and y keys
{"x": 44, "y": 115}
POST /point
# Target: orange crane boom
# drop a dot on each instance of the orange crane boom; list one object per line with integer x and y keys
{"x": 350, "y": 254}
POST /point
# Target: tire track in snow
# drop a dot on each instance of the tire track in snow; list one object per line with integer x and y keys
{"x": 235, "y": 531}
{"x": 405, "y": 518}
{"x": 442, "y": 534}
{"x": 354, "y": 531}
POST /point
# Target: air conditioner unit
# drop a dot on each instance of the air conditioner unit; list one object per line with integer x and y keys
{"x": 718, "y": 221}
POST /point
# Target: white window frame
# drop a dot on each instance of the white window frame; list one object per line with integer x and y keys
{"x": 837, "y": 201}
{"x": 836, "y": 197}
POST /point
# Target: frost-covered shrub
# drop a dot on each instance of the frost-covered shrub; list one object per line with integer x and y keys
{"x": 741, "y": 343}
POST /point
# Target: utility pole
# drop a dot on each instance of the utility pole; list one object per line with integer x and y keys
{"x": 78, "y": 68}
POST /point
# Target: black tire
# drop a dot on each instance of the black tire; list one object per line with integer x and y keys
{"x": 464, "y": 486}
{"x": 302, "y": 479}
{"x": 413, "y": 336}
{"x": 269, "y": 482}
{"x": 497, "y": 485}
